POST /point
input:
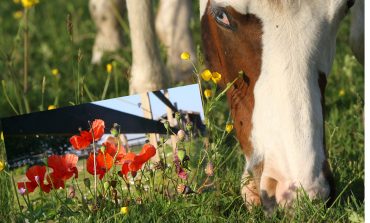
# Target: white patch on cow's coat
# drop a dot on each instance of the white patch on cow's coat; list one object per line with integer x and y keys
{"x": 298, "y": 42}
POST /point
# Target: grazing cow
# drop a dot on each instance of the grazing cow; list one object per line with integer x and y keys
{"x": 148, "y": 72}
{"x": 285, "y": 50}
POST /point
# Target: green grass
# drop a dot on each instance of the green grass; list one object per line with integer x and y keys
{"x": 50, "y": 47}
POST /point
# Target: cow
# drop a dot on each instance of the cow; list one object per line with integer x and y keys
{"x": 148, "y": 72}
{"x": 285, "y": 50}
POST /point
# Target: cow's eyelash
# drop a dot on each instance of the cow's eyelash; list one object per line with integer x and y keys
{"x": 214, "y": 10}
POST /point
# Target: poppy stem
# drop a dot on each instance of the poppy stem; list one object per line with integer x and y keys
{"x": 95, "y": 177}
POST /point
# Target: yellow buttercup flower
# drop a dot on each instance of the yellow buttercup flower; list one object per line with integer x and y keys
{"x": 2, "y": 165}
{"x": 208, "y": 93}
{"x": 109, "y": 68}
{"x": 216, "y": 77}
{"x": 51, "y": 107}
{"x": 55, "y": 71}
{"x": 29, "y": 3}
{"x": 342, "y": 92}
{"x": 2, "y": 136}
{"x": 229, "y": 127}
{"x": 17, "y": 14}
{"x": 185, "y": 56}
{"x": 206, "y": 75}
{"x": 124, "y": 210}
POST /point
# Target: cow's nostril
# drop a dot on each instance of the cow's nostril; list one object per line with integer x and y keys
{"x": 350, "y": 3}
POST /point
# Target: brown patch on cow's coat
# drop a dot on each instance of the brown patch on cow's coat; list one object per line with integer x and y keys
{"x": 326, "y": 166}
{"x": 229, "y": 52}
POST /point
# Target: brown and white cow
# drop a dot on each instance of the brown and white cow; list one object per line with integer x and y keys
{"x": 285, "y": 48}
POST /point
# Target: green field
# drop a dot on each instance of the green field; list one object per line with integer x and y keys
{"x": 51, "y": 46}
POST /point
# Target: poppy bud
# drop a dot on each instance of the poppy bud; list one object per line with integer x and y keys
{"x": 166, "y": 124}
{"x": 102, "y": 149}
{"x": 114, "y": 132}
{"x": 181, "y": 135}
{"x": 87, "y": 182}
{"x": 183, "y": 189}
{"x": 181, "y": 154}
{"x": 178, "y": 116}
{"x": 189, "y": 126}
{"x": 71, "y": 192}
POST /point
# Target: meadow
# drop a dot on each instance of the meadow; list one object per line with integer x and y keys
{"x": 60, "y": 37}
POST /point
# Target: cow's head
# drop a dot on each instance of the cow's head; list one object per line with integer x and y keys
{"x": 285, "y": 48}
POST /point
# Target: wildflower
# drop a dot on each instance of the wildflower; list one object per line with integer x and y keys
{"x": 55, "y": 71}
{"x": 86, "y": 137}
{"x": 103, "y": 164}
{"x": 208, "y": 93}
{"x": 181, "y": 135}
{"x": 216, "y": 77}
{"x": 206, "y": 75}
{"x": 22, "y": 191}
{"x": 229, "y": 127}
{"x": 111, "y": 149}
{"x": 109, "y": 68}
{"x": 2, "y": 136}
{"x": 36, "y": 176}
{"x": 183, "y": 189}
{"x": 18, "y": 14}
{"x": 185, "y": 56}
{"x": 29, "y": 3}
{"x": 124, "y": 210}
{"x": 179, "y": 170}
{"x": 342, "y": 92}
{"x": 64, "y": 166}
{"x": 2, "y": 166}
{"x": 132, "y": 162}
{"x": 52, "y": 107}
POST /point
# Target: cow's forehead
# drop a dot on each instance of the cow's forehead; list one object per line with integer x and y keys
{"x": 262, "y": 7}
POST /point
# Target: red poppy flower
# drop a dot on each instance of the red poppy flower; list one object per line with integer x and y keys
{"x": 81, "y": 141}
{"x": 64, "y": 166}
{"x": 103, "y": 163}
{"x": 36, "y": 175}
{"x": 111, "y": 149}
{"x": 85, "y": 138}
{"x": 97, "y": 128}
{"x": 133, "y": 163}
{"x": 54, "y": 181}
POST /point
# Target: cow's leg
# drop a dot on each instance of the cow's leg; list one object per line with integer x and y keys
{"x": 148, "y": 72}
{"x": 108, "y": 37}
{"x": 357, "y": 30}
{"x": 172, "y": 26}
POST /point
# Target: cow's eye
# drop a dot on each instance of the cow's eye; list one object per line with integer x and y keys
{"x": 221, "y": 17}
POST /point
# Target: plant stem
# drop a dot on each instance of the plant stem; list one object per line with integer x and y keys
{"x": 25, "y": 62}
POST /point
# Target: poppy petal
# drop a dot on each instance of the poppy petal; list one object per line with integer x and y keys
{"x": 79, "y": 142}
{"x": 36, "y": 172}
{"x": 97, "y": 128}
